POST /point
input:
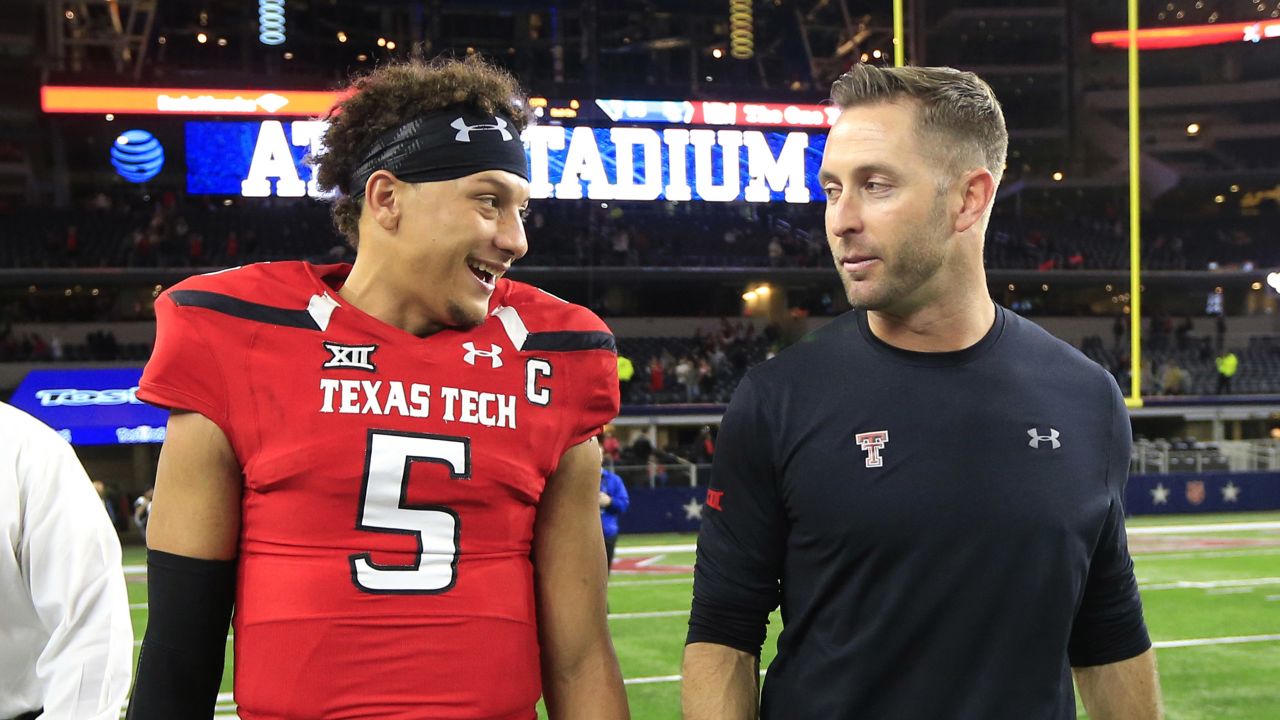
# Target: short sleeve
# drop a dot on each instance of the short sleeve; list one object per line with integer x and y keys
{"x": 184, "y": 372}
{"x": 743, "y": 536}
{"x": 1109, "y": 625}
{"x": 594, "y": 387}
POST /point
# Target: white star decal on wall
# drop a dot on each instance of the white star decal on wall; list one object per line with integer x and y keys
{"x": 1230, "y": 493}
{"x": 693, "y": 509}
{"x": 1160, "y": 495}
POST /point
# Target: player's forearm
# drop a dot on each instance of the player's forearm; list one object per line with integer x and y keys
{"x": 720, "y": 683}
{"x": 1125, "y": 690}
{"x": 589, "y": 688}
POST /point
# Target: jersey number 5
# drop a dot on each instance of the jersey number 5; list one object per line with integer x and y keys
{"x": 383, "y": 509}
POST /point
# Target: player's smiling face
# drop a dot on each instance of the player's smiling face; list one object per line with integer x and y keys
{"x": 886, "y": 215}
{"x": 456, "y": 238}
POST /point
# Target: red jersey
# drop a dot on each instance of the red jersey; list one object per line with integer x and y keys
{"x": 390, "y": 484}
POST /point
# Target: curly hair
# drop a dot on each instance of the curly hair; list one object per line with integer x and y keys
{"x": 392, "y": 95}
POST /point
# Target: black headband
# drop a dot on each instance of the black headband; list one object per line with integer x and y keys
{"x": 444, "y": 145}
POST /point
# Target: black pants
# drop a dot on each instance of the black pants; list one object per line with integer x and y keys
{"x": 609, "y": 544}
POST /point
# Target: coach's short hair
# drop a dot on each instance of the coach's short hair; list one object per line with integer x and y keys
{"x": 956, "y": 108}
{"x": 392, "y": 95}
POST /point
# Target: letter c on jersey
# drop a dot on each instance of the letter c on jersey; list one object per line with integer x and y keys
{"x": 534, "y": 392}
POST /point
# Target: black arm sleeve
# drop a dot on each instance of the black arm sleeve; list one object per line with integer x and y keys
{"x": 1109, "y": 626}
{"x": 742, "y": 542}
{"x": 180, "y": 665}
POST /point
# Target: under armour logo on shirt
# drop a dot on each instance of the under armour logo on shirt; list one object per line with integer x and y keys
{"x": 465, "y": 130}
{"x": 1037, "y": 438}
{"x": 493, "y": 353}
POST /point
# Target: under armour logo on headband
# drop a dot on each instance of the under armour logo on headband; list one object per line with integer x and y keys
{"x": 464, "y": 130}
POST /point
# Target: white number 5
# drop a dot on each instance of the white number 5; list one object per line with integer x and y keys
{"x": 383, "y": 509}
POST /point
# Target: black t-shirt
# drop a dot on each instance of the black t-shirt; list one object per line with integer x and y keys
{"x": 943, "y": 531}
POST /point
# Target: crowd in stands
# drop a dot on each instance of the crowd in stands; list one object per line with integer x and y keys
{"x": 174, "y": 231}
{"x": 703, "y": 369}
{"x": 1178, "y": 363}
{"x": 98, "y": 346}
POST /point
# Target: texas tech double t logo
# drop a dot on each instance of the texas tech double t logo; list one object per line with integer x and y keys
{"x": 872, "y": 442}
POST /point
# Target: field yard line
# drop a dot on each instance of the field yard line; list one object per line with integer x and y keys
{"x": 1207, "y": 528}
{"x": 653, "y": 549}
{"x": 1216, "y": 641}
{"x": 650, "y": 561}
{"x": 1207, "y": 584}
{"x": 663, "y": 581}
{"x": 655, "y": 614}
{"x": 651, "y": 680}
{"x": 1207, "y": 554}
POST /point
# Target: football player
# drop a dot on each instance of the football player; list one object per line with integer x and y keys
{"x": 388, "y": 468}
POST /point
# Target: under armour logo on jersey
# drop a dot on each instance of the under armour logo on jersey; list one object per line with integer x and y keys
{"x": 1037, "y": 438}
{"x": 872, "y": 442}
{"x": 493, "y": 353}
{"x": 465, "y": 130}
{"x": 359, "y": 357}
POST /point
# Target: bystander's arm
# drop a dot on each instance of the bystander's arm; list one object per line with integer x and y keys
{"x": 720, "y": 683}
{"x": 1124, "y": 690}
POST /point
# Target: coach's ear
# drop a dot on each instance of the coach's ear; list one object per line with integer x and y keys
{"x": 977, "y": 191}
{"x": 383, "y": 195}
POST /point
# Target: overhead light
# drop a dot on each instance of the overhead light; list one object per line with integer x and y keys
{"x": 162, "y": 39}
{"x": 717, "y": 53}
{"x": 202, "y": 38}
{"x": 1193, "y": 129}
{"x": 1256, "y": 286}
{"x": 110, "y": 117}
{"x": 749, "y": 296}
{"x": 1219, "y": 199}
{"x": 382, "y": 42}
{"x": 764, "y": 290}
{"x": 222, "y": 42}
{"x": 391, "y": 44}
{"x": 1057, "y": 176}
{"x": 288, "y": 55}
{"x": 362, "y": 57}
{"x": 876, "y": 54}
{"x": 1235, "y": 188}
{"x": 342, "y": 37}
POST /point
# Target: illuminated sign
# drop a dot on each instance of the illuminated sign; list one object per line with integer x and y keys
{"x": 185, "y": 101}
{"x": 91, "y": 407}
{"x": 685, "y": 112}
{"x": 1191, "y": 35}
{"x": 619, "y": 163}
{"x": 311, "y": 103}
{"x": 137, "y": 156}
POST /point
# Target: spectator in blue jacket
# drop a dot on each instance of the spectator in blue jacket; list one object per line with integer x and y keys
{"x": 613, "y": 502}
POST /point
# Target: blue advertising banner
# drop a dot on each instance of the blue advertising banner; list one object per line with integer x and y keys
{"x": 267, "y": 159}
{"x": 679, "y": 509}
{"x": 91, "y": 406}
{"x": 1179, "y": 493}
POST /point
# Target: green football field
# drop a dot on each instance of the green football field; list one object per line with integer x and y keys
{"x": 1210, "y": 585}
